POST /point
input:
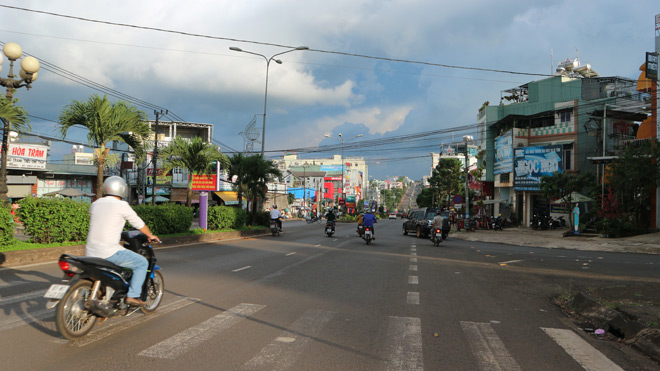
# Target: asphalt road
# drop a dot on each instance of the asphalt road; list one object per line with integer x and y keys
{"x": 303, "y": 301}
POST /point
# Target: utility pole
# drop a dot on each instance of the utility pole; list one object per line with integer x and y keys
{"x": 155, "y": 158}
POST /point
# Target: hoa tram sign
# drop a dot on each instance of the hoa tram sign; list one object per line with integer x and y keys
{"x": 27, "y": 156}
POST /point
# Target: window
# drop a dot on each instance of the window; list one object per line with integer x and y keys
{"x": 565, "y": 116}
{"x": 567, "y": 156}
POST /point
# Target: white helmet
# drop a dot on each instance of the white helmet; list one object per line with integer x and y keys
{"x": 115, "y": 186}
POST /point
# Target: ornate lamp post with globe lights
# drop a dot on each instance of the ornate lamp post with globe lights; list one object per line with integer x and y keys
{"x": 27, "y": 75}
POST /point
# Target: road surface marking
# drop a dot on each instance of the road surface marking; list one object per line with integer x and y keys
{"x": 509, "y": 262}
{"x": 413, "y": 280}
{"x": 413, "y": 260}
{"x": 242, "y": 269}
{"x": 488, "y": 347}
{"x": 413, "y": 253}
{"x": 291, "y": 253}
{"x": 193, "y": 336}
{"x": 22, "y": 297}
{"x": 404, "y": 347}
{"x": 413, "y": 298}
{"x": 586, "y": 355}
{"x": 13, "y": 283}
{"x": 284, "y": 350}
{"x": 112, "y": 327}
{"x": 413, "y": 249}
{"x": 25, "y": 318}
{"x": 413, "y": 268}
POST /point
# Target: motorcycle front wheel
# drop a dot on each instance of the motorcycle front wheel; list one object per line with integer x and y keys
{"x": 73, "y": 320}
{"x": 154, "y": 293}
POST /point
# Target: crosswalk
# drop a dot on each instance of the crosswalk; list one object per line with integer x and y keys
{"x": 402, "y": 346}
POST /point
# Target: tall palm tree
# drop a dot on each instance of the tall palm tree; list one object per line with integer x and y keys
{"x": 106, "y": 122}
{"x": 194, "y": 155}
{"x": 260, "y": 172}
{"x": 13, "y": 118}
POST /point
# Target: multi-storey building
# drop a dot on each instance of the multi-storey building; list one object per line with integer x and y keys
{"x": 554, "y": 124}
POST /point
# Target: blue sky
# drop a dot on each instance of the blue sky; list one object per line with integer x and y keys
{"x": 312, "y": 92}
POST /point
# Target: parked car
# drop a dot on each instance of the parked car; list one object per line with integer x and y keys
{"x": 419, "y": 222}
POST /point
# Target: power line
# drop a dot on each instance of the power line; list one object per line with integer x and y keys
{"x": 184, "y": 33}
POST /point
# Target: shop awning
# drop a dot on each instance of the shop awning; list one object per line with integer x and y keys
{"x": 491, "y": 202}
{"x": 229, "y": 197}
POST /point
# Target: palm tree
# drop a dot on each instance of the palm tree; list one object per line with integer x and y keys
{"x": 194, "y": 155}
{"x": 14, "y": 118}
{"x": 106, "y": 122}
{"x": 238, "y": 168}
{"x": 259, "y": 172}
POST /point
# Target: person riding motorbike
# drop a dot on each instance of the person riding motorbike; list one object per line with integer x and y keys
{"x": 276, "y": 215}
{"x": 368, "y": 220}
{"x": 360, "y": 220}
{"x": 437, "y": 221}
{"x": 330, "y": 216}
{"x": 108, "y": 215}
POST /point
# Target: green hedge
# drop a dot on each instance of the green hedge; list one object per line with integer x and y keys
{"x": 225, "y": 217}
{"x": 6, "y": 225}
{"x": 166, "y": 218}
{"x": 48, "y": 220}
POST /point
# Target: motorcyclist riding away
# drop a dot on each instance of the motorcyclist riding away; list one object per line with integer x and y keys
{"x": 108, "y": 215}
{"x": 330, "y": 216}
{"x": 368, "y": 220}
{"x": 276, "y": 215}
{"x": 360, "y": 219}
{"x": 437, "y": 221}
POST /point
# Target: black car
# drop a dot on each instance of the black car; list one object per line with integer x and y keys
{"x": 419, "y": 221}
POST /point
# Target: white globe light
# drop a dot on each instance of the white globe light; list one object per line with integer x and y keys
{"x": 13, "y": 51}
{"x": 24, "y": 75}
{"x": 30, "y": 64}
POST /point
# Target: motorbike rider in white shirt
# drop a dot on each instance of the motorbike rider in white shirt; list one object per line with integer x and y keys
{"x": 276, "y": 215}
{"x": 108, "y": 215}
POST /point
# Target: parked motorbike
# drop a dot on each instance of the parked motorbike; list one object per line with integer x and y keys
{"x": 368, "y": 235}
{"x": 274, "y": 227}
{"x": 330, "y": 228}
{"x": 437, "y": 236}
{"x": 496, "y": 223}
{"x": 562, "y": 221}
{"x": 539, "y": 222}
{"x": 552, "y": 223}
{"x": 96, "y": 288}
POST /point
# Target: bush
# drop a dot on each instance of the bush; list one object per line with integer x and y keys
{"x": 613, "y": 227}
{"x": 260, "y": 218}
{"x": 166, "y": 218}
{"x": 49, "y": 220}
{"x": 225, "y": 217}
{"x": 6, "y": 226}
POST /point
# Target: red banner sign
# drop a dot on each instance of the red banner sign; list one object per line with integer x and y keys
{"x": 204, "y": 182}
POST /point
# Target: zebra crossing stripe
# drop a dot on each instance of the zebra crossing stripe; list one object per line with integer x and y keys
{"x": 489, "y": 349}
{"x": 404, "y": 350}
{"x": 193, "y": 336}
{"x": 586, "y": 355}
{"x": 287, "y": 346}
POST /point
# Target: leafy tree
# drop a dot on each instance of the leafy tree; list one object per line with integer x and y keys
{"x": 635, "y": 176}
{"x": 562, "y": 185}
{"x": 445, "y": 180}
{"x": 106, "y": 122}
{"x": 13, "y": 118}
{"x": 291, "y": 198}
{"x": 425, "y": 197}
{"x": 194, "y": 155}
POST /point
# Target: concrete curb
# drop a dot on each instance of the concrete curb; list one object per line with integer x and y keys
{"x": 24, "y": 257}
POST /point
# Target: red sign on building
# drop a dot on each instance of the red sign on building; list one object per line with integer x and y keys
{"x": 204, "y": 182}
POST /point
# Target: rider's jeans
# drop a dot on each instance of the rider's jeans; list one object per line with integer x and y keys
{"x": 138, "y": 263}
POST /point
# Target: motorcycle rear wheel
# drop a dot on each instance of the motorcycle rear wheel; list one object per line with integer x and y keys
{"x": 73, "y": 320}
{"x": 154, "y": 293}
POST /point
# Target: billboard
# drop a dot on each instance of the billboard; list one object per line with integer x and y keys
{"x": 503, "y": 153}
{"x": 331, "y": 168}
{"x": 531, "y": 163}
{"x": 27, "y": 156}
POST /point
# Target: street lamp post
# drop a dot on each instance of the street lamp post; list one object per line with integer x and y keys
{"x": 268, "y": 60}
{"x": 304, "y": 166}
{"x": 467, "y": 139}
{"x": 341, "y": 138}
{"x": 28, "y": 74}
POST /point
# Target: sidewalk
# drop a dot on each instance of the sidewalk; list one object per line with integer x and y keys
{"x": 553, "y": 239}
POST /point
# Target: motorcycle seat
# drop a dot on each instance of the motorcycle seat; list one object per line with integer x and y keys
{"x": 96, "y": 261}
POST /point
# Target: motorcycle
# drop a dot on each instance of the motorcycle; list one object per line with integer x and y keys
{"x": 368, "y": 235}
{"x": 96, "y": 289}
{"x": 360, "y": 230}
{"x": 496, "y": 223}
{"x": 330, "y": 228}
{"x": 274, "y": 227}
{"x": 539, "y": 222}
{"x": 315, "y": 219}
{"x": 552, "y": 223}
{"x": 562, "y": 221}
{"x": 437, "y": 236}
